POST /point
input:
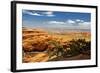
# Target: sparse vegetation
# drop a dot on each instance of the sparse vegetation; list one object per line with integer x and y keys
{"x": 51, "y": 47}
{"x": 57, "y": 51}
{"x": 78, "y": 46}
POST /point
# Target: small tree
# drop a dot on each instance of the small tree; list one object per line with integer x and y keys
{"x": 58, "y": 50}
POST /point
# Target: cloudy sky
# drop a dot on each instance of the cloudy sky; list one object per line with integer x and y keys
{"x": 55, "y": 19}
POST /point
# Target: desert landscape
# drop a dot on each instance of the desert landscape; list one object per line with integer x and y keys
{"x": 55, "y": 36}
{"x": 40, "y": 45}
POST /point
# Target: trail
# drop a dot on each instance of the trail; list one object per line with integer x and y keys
{"x": 40, "y": 57}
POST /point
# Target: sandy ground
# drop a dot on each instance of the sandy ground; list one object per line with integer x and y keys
{"x": 43, "y": 57}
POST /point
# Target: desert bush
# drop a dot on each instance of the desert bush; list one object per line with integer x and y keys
{"x": 57, "y": 49}
{"x": 78, "y": 46}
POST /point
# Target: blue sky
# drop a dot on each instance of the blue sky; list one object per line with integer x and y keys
{"x": 55, "y": 19}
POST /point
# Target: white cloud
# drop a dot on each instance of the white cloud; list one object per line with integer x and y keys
{"x": 78, "y": 20}
{"x": 49, "y": 13}
{"x": 85, "y": 25}
{"x": 56, "y": 22}
{"x": 72, "y": 24}
{"x": 31, "y": 13}
{"x": 70, "y": 21}
{"x": 36, "y": 14}
{"x": 79, "y": 23}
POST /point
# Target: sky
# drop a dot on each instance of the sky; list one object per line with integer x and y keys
{"x": 56, "y": 19}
